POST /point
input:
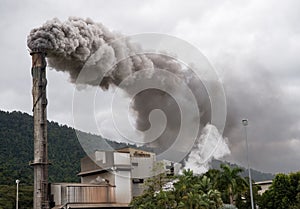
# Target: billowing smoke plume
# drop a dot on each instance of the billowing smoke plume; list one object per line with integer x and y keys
{"x": 210, "y": 145}
{"x": 70, "y": 44}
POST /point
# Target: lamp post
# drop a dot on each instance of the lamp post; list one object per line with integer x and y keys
{"x": 17, "y": 196}
{"x": 245, "y": 123}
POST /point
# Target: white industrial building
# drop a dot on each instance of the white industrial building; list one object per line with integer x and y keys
{"x": 110, "y": 179}
{"x": 265, "y": 185}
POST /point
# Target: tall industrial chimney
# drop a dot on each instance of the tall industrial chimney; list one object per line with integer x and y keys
{"x": 40, "y": 163}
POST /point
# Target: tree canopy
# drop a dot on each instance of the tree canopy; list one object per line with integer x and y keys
{"x": 208, "y": 191}
{"x": 284, "y": 192}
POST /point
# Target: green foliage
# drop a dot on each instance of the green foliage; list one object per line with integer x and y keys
{"x": 16, "y": 150}
{"x": 244, "y": 199}
{"x": 233, "y": 186}
{"x": 205, "y": 191}
{"x": 296, "y": 205}
{"x": 8, "y": 196}
{"x": 230, "y": 183}
{"x": 283, "y": 193}
{"x": 189, "y": 191}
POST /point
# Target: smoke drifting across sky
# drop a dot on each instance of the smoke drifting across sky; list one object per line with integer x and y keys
{"x": 110, "y": 58}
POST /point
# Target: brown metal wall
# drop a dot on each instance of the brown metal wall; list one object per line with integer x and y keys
{"x": 88, "y": 194}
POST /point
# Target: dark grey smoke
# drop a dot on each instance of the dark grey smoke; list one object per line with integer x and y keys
{"x": 71, "y": 43}
{"x": 260, "y": 98}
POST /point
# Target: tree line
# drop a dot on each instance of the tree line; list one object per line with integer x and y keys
{"x": 217, "y": 189}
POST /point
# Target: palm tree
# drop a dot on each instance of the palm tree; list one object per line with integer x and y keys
{"x": 231, "y": 182}
{"x": 213, "y": 175}
{"x": 205, "y": 184}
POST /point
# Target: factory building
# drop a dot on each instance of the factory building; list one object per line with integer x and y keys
{"x": 110, "y": 179}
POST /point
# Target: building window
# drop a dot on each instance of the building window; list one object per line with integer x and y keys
{"x": 134, "y": 164}
{"x": 137, "y": 181}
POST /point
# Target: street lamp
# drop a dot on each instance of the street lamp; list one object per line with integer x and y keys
{"x": 17, "y": 196}
{"x": 245, "y": 123}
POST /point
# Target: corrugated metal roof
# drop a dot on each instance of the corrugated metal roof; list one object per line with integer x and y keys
{"x": 100, "y": 170}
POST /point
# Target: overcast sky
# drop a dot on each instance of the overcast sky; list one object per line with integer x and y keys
{"x": 254, "y": 46}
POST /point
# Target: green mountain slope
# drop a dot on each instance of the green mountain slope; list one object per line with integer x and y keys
{"x": 16, "y": 149}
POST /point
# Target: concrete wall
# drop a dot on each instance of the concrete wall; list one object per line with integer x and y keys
{"x": 142, "y": 167}
{"x": 123, "y": 187}
{"x": 121, "y": 159}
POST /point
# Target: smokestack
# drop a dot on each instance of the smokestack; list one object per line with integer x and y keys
{"x": 40, "y": 163}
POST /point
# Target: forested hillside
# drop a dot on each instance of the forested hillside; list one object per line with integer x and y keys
{"x": 16, "y": 150}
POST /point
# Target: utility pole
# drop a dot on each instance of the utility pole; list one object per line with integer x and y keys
{"x": 17, "y": 195}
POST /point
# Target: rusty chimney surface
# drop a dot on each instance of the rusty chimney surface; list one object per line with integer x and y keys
{"x": 38, "y": 59}
{"x": 40, "y": 162}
